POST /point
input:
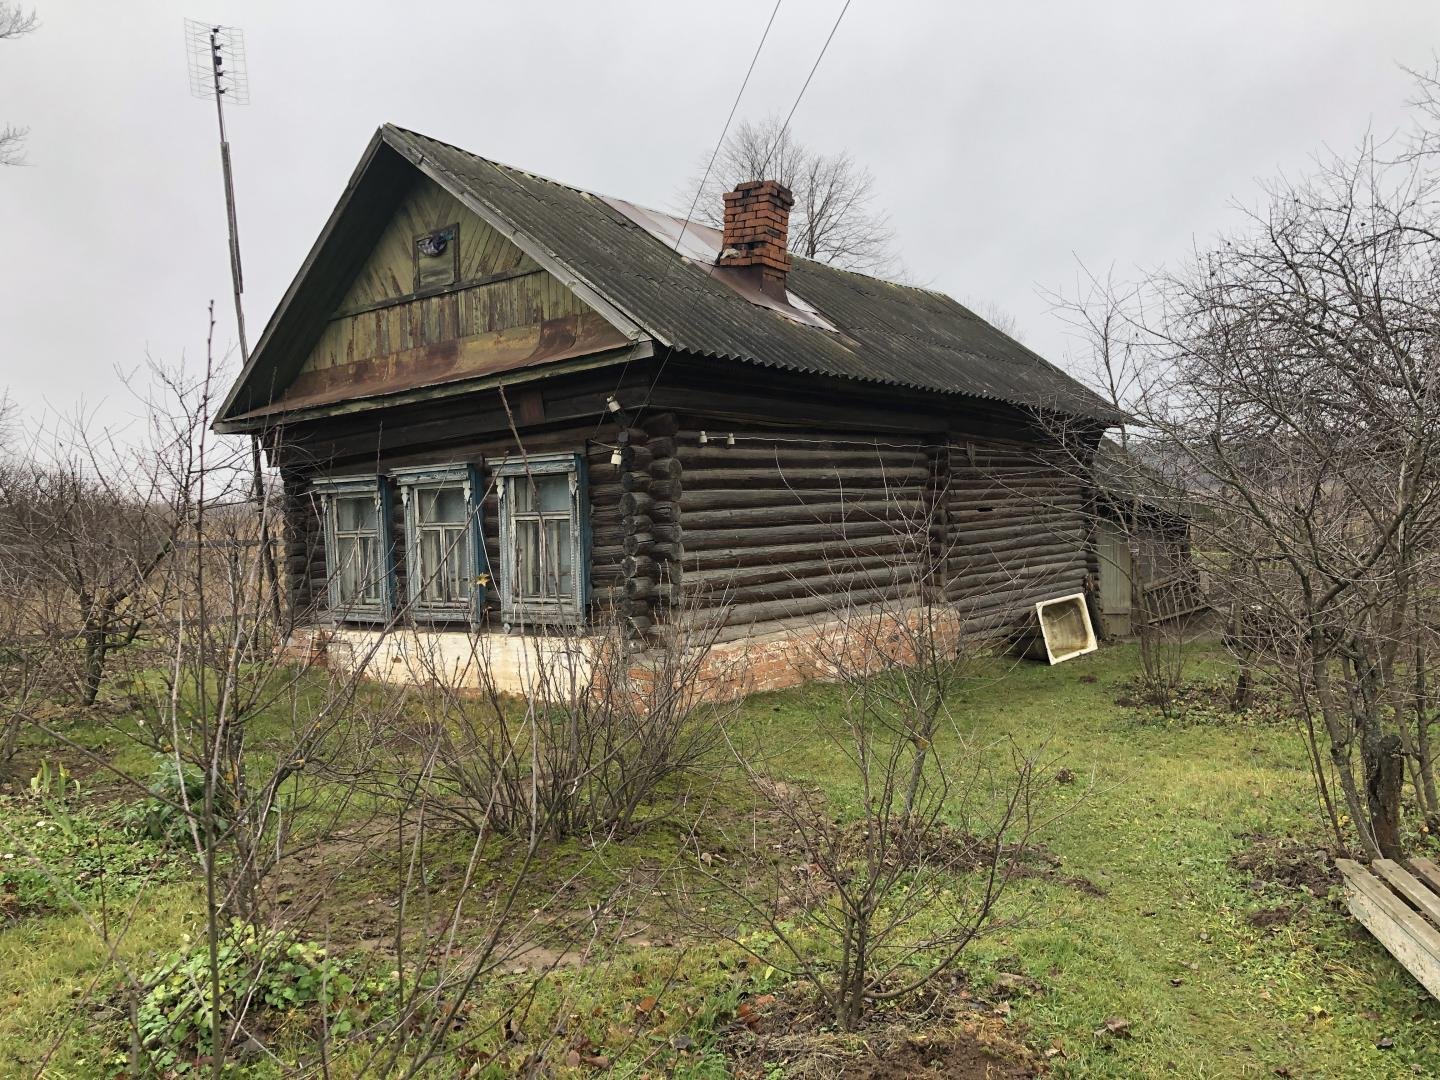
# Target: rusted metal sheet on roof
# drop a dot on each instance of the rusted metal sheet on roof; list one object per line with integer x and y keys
{"x": 701, "y": 245}
{"x": 450, "y": 361}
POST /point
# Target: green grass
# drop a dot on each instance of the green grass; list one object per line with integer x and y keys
{"x": 1167, "y": 812}
{"x": 1159, "y": 809}
{"x": 57, "y": 972}
{"x": 1154, "y": 818}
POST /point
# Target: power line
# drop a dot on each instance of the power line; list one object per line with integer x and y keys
{"x": 699, "y": 193}
{"x": 720, "y": 143}
{"x": 813, "y": 68}
{"x": 764, "y": 165}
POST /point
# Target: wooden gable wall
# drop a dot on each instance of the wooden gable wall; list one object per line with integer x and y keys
{"x": 501, "y": 312}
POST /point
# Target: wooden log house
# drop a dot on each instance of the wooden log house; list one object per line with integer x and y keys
{"x": 504, "y": 406}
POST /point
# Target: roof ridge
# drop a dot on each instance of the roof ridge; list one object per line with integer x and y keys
{"x": 501, "y": 164}
{"x": 655, "y": 210}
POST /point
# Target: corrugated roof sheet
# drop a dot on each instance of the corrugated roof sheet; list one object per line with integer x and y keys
{"x": 892, "y": 334}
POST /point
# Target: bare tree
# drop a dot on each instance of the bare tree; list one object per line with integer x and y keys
{"x": 997, "y": 316}
{"x": 26, "y": 657}
{"x": 92, "y": 519}
{"x": 280, "y": 803}
{"x": 1290, "y": 377}
{"x": 1303, "y": 393}
{"x": 834, "y": 219}
{"x": 15, "y": 22}
{"x": 1139, "y": 502}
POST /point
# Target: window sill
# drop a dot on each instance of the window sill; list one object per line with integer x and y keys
{"x": 519, "y": 621}
{"x": 352, "y": 617}
{"x": 441, "y": 616}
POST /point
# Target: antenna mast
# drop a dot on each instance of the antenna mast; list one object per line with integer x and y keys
{"x": 217, "y": 70}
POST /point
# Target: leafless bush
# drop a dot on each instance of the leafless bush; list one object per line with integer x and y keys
{"x": 26, "y": 663}
{"x": 1139, "y": 502}
{"x": 603, "y": 733}
{"x": 267, "y": 761}
{"x": 86, "y": 523}
{"x": 893, "y": 869}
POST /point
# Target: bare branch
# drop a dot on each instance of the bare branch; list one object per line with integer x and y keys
{"x": 833, "y": 220}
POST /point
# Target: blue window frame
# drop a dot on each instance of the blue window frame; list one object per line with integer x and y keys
{"x": 446, "y": 571}
{"x": 359, "y": 554}
{"x": 544, "y": 538}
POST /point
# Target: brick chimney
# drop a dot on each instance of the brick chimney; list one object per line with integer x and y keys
{"x": 757, "y": 227}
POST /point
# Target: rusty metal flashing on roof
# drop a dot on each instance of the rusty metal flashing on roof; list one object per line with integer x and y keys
{"x": 280, "y": 413}
{"x": 701, "y": 245}
{"x": 453, "y": 360}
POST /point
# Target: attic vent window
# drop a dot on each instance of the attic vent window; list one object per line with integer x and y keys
{"x": 437, "y": 258}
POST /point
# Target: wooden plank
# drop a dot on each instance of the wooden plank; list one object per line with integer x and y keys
{"x": 1426, "y": 871}
{"x": 1405, "y": 883}
{"x": 1407, "y": 937}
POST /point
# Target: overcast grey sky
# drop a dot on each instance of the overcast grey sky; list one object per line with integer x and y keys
{"x": 1007, "y": 140}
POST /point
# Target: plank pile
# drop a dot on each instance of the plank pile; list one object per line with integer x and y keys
{"x": 1400, "y": 906}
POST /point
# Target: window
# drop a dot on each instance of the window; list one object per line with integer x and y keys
{"x": 445, "y": 558}
{"x": 358, "y": 557}
{"x": 543, "y": 539}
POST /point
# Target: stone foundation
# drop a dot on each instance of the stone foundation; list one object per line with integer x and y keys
{"x": 810, "y": 651}
{"x": 452, "y": 657}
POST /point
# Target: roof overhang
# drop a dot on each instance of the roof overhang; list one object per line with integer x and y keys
{"x": 268, "y": 418}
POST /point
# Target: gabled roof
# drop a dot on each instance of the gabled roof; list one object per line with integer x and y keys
{"x": 884, "y": 333}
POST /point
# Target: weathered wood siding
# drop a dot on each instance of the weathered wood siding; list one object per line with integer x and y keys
{"x": 502, "y": 312}
{"x": 794, "y": 522}
{"x": 1016, "y": 530}
{"x": 389, "y": 272}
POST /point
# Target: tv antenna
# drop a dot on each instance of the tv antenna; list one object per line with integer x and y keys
{"x": 217, "y": 70}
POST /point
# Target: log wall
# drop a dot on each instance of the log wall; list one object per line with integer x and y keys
{"x": 1016, "y": 531}
{"x": 796, "y": 522}
{"x": 793, "y": 523}
{"x": 795, "y": 519}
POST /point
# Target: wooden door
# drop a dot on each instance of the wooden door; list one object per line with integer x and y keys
{"x": 1115, "y": 569}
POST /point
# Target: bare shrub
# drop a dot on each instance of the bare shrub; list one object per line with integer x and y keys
{"x": 897, "y": 866}
{"x": 603, "y": 733}
{"x": 262, "y": 761}
{"x": 87, "y": 522}
{"x": 28, "y": 645}
{"x": 891, "y": 871}
{"x": 1136, "y": 493}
